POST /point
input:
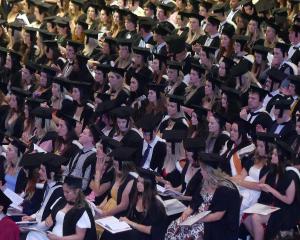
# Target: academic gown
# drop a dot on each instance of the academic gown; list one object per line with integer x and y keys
{"x": 9, "y": 229}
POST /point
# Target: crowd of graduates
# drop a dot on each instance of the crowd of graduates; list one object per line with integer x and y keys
{"x": 103, "y": 103}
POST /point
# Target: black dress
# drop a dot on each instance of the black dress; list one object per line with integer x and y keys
{"x": 155, "y": 217}
{"x": 227, "y": 227}
{"x": 289, "y": 214}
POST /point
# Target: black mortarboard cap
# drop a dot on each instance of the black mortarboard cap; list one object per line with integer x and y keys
{"x": 176, "y": 44}
{"x": 123, "y": 154}
{"x": 109, "y": 144}
{"x": 146, "y": 22}
{"x": 198, "y": 68}
{"x": 61, "y": 22}
{"x": 266, "y": 137}
{"x": 79, "y": 3}
{"x": 149, "y": 175}
{"x": 241, "y": 68}
{"x": 16, "y": 56}
{"x": 174, "y": 136}
{"x": 66, "y": 118}
{"x": 145, "y": 52}
{"x": 105, "y": 68}
{"x": 211, "y": 159}
{"x": 294, "y": 79}
{"x": 124, "y": 42}
{"x": 179, "y": 100}
{"x": 213, "y": 20}
{"x": 273, "y": 25}
{"x": 89, "y": 33}
{"x": 123, "y": 112}
{"x": 31, "y": 66}
{"x": 20, "y": 145}
{"x": 34, "y": 103}
{"x": 196, "y": 16}
{"x": 32, "y": 31}
{"x": 120, "y": 71}
{"x": 31, "y": 160}
{"x": 219, "y": 8}
{"x": 53, "y": 162}
{"x": 241, "y": 39}
{"x": 73, "y": 182}
{"x": 282, "y": 104}
{"x": 276, "y": 75}
{"x": 231, "y": 92}
{"x": 194, "y": 144}
{"x": 158, "y": 88}
{"x": 76, "y": 45}
{"x": 206, "y": 4}
{"x": 148, "y": 123}
{"x": 51, "y": 72}
{"x": 15, "y": 26}
{"x": 261, "y": 92}
{"x": 161, "y": 29}
{"x": 105, "y": 107}
{"x": 174, "y": 65}
{"x": 183, "y": 14}
{"x": 45, "y": 35}
{"x": 261, "y": 50}
{"x": 83, "y": 24}
{"x": 166, "y": 6}
{"x": 43, "y": 7}
{"x": 264, "y": 5}
{"x": 200, "y": 111}
{"x": 50, "y": 44}
{"x": 209, "y": 50}
{"x": 228, "y": 31}
{"x": 42, "y": 112}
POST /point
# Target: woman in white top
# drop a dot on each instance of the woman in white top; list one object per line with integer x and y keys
{"x": 70, "y": 218}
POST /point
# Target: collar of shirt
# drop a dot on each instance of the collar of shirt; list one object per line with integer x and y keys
{"x": 51, "y": 183}
{"x": 146, "y": 39}
{"x": 152, "y": 144}
{"x": 85, "y": 150}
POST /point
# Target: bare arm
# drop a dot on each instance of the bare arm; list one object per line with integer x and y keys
{"x": 123, "y": 204}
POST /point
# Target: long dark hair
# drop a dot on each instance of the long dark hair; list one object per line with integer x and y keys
{"x": 148, "y": 197}
{"x": 80, "y": 198}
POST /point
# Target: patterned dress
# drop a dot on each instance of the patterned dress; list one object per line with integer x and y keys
{"x": 194, "y": 232}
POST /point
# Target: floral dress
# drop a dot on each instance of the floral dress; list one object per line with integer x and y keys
{"x": 194, "y": 232}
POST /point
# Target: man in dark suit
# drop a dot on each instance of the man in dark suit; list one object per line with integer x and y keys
{"x": 154, "y": 148}
{"x": 212, "y": 39}
{"x": 284, "y": 126}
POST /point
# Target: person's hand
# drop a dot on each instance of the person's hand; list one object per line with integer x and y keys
{"x": 27, "y": 218}
{"x": 184, "y": 216}
{"x": 49, "y": 222}
{"x": 243, "y": 114}
{"x": 168, "y": 185}
{"x": 124, "y": 219}
{"x": 52, "y": 236}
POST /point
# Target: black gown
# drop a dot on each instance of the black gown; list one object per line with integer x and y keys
{"x": 155, "y": 217}
{"x": 227, "y": 227}
{"x": 289, "y": 214}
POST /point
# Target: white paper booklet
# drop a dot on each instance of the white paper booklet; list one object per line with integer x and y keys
{"x": 194, "y": 218}
{"x": 113, "y": 224}
{"x": 261, "y": 209}
{"x": 167, "y": 192}
{"x": 15, "y": 198}
{"x": 173, "y": 206}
